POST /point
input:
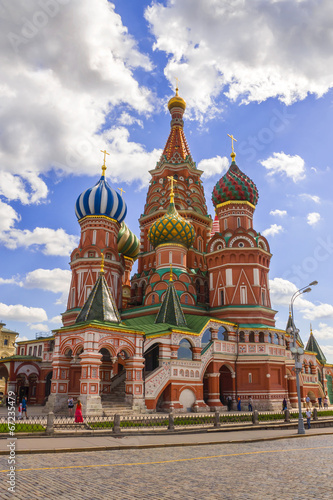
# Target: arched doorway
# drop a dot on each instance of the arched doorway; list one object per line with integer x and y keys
{"x": 152, "y": 358}
{"x": 105, "y": 370}
{"x": 3, "y": 380}
{"x": 226, "y": 388}
{"x": 48, "y": 380}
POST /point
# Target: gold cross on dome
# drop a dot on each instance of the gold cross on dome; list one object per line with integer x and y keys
{"x": 102, "y": 263}
{"x": 104, "y": 166}
{"x": 121, "y": 191}
{"x": 172, "y": 180}
{"x": 232, "y": 142}
{"x": 177, "y": 84}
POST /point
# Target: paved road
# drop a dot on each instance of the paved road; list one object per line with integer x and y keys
{"x": 293, "y": 469}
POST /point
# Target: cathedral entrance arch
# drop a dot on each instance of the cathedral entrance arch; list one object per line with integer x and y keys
{"x": 48, "y": 380}
{"x": 105, "y": 370}
{"x": 226, "y": 385}
{"x": 152, "y": 358}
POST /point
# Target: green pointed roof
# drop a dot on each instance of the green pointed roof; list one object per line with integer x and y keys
{"x": 313, "y": 346}
{"x": 171, "y": 311}
{"x": 100, "y": 304}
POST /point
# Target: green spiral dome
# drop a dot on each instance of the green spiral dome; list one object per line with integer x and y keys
{"x": 235, "y": 186}
{"x": 128, "y": 243}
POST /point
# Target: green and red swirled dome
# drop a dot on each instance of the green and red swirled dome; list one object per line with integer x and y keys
{"x": 235, "y": 186}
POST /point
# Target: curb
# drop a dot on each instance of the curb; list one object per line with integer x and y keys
{"x": 160, "y": 445}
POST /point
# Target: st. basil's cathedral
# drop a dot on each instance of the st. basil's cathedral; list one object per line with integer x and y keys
{"x": 192, "y": 327}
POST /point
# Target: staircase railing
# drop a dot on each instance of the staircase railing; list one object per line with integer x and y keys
{"x": 114, "y": 382}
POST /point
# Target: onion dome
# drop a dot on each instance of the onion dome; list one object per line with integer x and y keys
{"x": 235, "y": 186}
{"x": 128, "y": 243}
{"x": 171, "y": 228}
{"x": 101, "y": 199}
{"x": 176, "y": 102}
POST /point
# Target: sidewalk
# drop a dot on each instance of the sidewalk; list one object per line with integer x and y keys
{"x": 109, "y": 442}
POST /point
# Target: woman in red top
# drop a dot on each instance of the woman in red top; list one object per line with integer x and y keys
{"x": 78, "y": 412}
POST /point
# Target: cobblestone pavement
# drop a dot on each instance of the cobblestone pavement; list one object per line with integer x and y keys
{"x": 293, "y": 469}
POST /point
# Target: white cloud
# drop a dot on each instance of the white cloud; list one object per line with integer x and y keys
{"x": 213, "y": 166}
{"x": 127, "y": 119}
{"x": 212, "y": 42}
{"x": 313, "y": 218}
{"x": 287, "y": 165}
{"x": 324, "y": 331}
{"x": 49, "y": 241}
{"x": 8, "y": 217}
{"x": 281, "y": 291}
{"x": 58, "y": 85}
{"x": 19, "y": 312}
{"x": 53, "y": 280}
{"x": 11, "y": 281}
{"x": 56, "y": 320}
{"x": 272, "y": 230}
{"x": 39, "y": 327}
{"x": 278, "y": 213}
{"x": 21, "y": 339}
{"x": 312, "y": 197}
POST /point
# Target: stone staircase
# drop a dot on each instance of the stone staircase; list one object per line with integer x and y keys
{"x": 114, "y": 402}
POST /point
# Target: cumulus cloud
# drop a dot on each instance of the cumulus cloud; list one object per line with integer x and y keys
{"x": 53, "y": 280}
{"x": 19, "y": 312}
{"x": 313, "y": 218}
{"x": 272, "y": 230}
{"x": 56, "y": 320}
{"x": 49, "y": 241}
{"x": 281, "y": 291}
{"x": 8, "y": 217}
{"x": 311, "y": 197}
{"x": 21, "y": 339}
{"x": 286, "y": 165}
{"x": 58, "y": 89}
{"x": 213, "y": 166}
{"x": 278, "y": 213}
{"x": 39, "y": 327}
{"x": 127, "y": 119}
{"x": 200, "y": 43}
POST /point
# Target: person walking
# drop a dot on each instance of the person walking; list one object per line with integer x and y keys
{"x": 229, "y": 403}
{"x": 24, "y": 407}
{"x": 308, "y": 417}
{"x": 250, "y": 404}
{"x": 70, "y": 404}
{"x": 307, "y": 401}
{"x": 325, "y": 402}
{"x": 78, "y": 412}
{"x": 284, "y": 404}
{"x": 320, "y": 402}
{"x": 239, "y": 408}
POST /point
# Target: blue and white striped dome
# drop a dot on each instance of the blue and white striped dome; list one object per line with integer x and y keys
{"x": 101, "y": 200}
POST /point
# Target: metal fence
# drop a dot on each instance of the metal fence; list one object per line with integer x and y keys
{"x": 55, "y": 424}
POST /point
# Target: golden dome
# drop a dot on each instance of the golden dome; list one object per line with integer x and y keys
{"x": 176, "y": 102}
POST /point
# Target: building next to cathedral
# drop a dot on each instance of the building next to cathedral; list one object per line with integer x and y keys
{"x": 192, "y": 327}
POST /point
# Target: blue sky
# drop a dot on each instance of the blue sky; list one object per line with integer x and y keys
{"x": 80, "y": 76}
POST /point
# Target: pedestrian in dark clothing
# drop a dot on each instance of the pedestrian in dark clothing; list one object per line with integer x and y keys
{"x": 239, "y": 408}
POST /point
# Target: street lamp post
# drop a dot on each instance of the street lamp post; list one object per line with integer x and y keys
{"x": 297, "y": 352}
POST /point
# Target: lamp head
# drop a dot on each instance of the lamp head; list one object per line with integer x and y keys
{"x": 313, "y": 283}
{"x": 307, "y": 290}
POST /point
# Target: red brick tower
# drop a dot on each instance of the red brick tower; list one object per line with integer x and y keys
{"x": 175, "y": 161}
{"x": 100, "y": 211}
{"x": 238, "y": 257}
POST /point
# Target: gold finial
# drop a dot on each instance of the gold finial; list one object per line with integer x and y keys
{"x": 121, "y": 191}
{"x": 170, "y": 279}
{"x": 104, "y": 166}
{"x": 177, "y": 84}
{"x": 233, "y": 154}
{"x": 172, "y": 180}
{"x": 102, "y": 263}
{"x": 311, "y": 329}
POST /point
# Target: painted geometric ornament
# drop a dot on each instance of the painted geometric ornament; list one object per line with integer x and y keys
{"x": 235, "y": 186}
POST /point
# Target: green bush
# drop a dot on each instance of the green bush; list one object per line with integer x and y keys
{"x": 20, "y": 427}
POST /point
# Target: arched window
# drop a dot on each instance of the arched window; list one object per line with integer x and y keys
{"x": 206, "y": 337}
{"x": 241, "y": 337}
{"x": 184, "y": 350}
{"x": 222, "y": 333}
{"x": 261, "y": 337}
{"x": 251, "y": 337}
{"x": 276, "y": 339}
